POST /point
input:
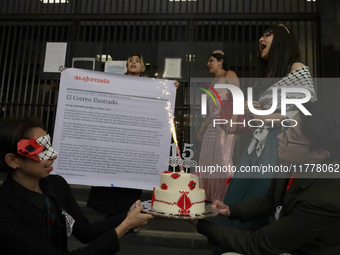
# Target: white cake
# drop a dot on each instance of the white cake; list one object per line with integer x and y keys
{"x": 178, "y": 193}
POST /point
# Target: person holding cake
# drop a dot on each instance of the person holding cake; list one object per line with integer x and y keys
{"x": 305, "y": 208}
{"x": 217, "y": 143}
{"x": 37, "y": 210}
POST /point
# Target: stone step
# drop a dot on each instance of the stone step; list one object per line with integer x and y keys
{"x": 160, "y": 236}
{"x": 155, "y": 250}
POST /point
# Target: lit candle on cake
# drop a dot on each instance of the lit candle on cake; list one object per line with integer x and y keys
{"x": 178, "y": 152}
{"x": 173, "y": 131}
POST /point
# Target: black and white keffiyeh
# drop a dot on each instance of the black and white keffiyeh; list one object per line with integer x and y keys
{"x": 299, "y": 78}
{"x": 48, "y": 151}
{"x": 69, "y": 222}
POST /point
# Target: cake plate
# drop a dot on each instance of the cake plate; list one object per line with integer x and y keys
{"x": 209, "y": 212}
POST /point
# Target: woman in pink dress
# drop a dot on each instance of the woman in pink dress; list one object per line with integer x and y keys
{"x": 217, "y": 142}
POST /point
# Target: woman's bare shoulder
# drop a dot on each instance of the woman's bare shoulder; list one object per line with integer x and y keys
{"x": 231, "y": 74}
{"x": 232, "y": 78}
{"x": 296, "y": 65}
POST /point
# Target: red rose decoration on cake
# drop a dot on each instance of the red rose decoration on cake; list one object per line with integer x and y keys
{"x": 164, "y": 186}
{"x": 175, "y": 175}
{"x": 167, "y": 172}
{"x": 30, "y": 148}
{"x": 192, "y": 185}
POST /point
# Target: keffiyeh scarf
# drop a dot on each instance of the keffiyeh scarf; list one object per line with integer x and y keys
{"x": 299, "y": 78}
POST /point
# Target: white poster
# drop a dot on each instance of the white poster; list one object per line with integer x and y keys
{"x": 112, "y": 130}
{"x": 54, "y": 57}
{"x": 116, "y": 67}
{"x": 173, "y": 68}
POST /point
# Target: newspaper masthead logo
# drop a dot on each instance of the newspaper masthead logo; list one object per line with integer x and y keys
{"x": 89, "y": 79}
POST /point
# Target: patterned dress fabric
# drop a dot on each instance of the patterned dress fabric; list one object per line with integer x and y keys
{"x": 217, "y": 149}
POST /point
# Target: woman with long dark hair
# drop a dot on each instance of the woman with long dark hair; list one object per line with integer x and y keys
{"x": 279, "y": 66}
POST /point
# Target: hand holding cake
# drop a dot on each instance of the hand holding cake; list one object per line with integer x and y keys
{"x": 223, "y": 208}
{"x": 134, "y": 219}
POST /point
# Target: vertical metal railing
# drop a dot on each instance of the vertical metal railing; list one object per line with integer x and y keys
{"x": 155, "y": 6}
{"x": 26, "y": 90}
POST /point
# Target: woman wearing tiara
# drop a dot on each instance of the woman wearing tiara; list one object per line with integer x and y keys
{"x": 217, "y": 142}
{"x": 279, "y": 60}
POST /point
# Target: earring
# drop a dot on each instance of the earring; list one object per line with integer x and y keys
{"x": 17, "y": 168}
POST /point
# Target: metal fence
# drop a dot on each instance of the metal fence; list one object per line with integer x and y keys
{"x": 190, "y": 30}
{"x": 156, "y": 6}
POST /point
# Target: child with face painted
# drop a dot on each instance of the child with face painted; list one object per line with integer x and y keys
{"x": 37, "y": 210}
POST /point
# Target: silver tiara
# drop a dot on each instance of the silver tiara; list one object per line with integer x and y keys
{"x": 218, "y": 52}
{"x": 283, "y": 25}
